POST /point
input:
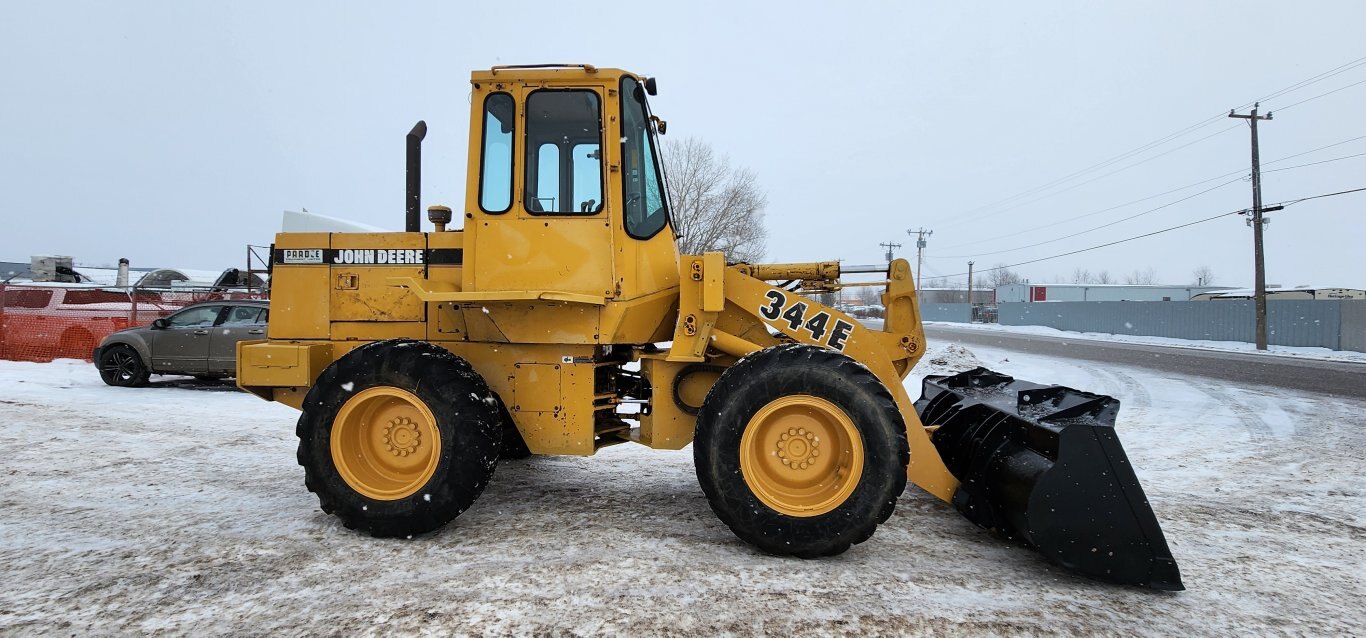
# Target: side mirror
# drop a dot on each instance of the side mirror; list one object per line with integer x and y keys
{"x": 160, "y": 324}
{"x": 651, "y": 87}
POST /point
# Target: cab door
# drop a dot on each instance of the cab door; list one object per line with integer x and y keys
{"x": 542, "y": 224}
{"x": 182, "y": 347}
{"x": 239, "y": 322}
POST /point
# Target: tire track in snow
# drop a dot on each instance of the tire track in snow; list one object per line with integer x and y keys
{"x": 1252, "y": 421}
{"x": 1127, "y": 388}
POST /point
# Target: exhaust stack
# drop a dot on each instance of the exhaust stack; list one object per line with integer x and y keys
{"x": 413, "y": 190}
{"x": 122, "y": 281}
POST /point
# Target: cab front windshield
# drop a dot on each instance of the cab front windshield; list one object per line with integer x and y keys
{"x": 643, "y": 195}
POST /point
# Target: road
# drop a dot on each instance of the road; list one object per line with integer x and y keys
{"x": 1340, "y": 379}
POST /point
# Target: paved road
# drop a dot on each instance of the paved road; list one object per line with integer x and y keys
{"x": 1326, "y": 377}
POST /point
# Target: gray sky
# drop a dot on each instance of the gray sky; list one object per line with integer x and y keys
{"x": 175, "y": 133}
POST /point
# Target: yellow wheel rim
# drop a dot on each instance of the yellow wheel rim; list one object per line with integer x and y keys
{"x": 385, "y": 443}
{"x": 801, "y": 455}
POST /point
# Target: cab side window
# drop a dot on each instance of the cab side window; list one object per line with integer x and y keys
{"x": 243, "y": 315}
{"x": 564, "y": 148}
{"x": 195, "y": 317}
{"x": 495, "y": 177}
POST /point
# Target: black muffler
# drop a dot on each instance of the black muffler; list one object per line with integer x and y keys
{"x": 412, "y": 188}
{"x": 1041, "y": 465}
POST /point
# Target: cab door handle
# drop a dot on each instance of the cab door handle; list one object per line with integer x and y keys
{"x": 256, "y": 331}
{"x": 201, "y": 332}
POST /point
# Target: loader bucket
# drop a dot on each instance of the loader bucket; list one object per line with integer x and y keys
{"x": 1041, "y": 465}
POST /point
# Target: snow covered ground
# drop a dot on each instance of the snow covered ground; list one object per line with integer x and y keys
{"x": 179, "y": 508}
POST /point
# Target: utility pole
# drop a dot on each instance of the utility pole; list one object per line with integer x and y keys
{"x": 920, "y": 236}
{"x": 889, "y": 246}
{"x": 969, "y": 284}
{"x": 1257, "y": 223}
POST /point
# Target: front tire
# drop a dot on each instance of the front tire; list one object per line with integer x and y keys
{"x": 801, "y": 451}
{"x": 398, "y": 437}
{"x": 121, "y": 366}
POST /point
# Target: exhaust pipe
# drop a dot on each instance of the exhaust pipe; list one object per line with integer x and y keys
{"x": 122, "y": 281}
{"x": 413, "y": 191}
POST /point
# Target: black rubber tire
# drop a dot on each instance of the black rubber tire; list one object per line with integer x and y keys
{"x": 466, "y": 418}
{"x": 121, "y": 366}
{"x": 784, "y": 370}
{"x": 514, "y": 447}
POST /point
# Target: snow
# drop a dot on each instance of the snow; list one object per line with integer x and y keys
{"x": 180, "y": 508}
{"x": 306, "y": 222}
{"x": 1231, "y": 346}
{"x": 107, "y": 277}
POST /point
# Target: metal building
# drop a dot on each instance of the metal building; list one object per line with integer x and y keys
{"x": 1099, "y": 292}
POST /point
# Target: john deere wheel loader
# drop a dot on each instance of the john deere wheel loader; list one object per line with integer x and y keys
{"x": 419, "y": 358}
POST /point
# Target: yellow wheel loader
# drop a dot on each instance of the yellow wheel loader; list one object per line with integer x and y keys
{"x": 560, "y": 318}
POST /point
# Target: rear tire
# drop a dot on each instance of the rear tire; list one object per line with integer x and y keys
{"x": 801, "y": 451}
{"x": 121, "y": 366}
{"x": 398, "y": 438}
{"x": 514, "y": 446}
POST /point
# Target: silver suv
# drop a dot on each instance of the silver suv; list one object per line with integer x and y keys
{"x": 199, "y": 340}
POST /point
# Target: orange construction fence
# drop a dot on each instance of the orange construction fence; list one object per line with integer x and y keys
{"x": 42, "y": 322}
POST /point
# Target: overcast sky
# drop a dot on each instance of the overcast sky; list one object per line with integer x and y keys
{"x": 175, "y": 133}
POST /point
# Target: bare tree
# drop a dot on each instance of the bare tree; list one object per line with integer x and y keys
{"x": 1202, "y": 276}
{"x": 1141, "y": 277}
{"x": 716, "y": 206}
{"x": 999, "y": 275}
{"x": 868, "y": 296}
{"x": 1104, "y": 277}
{"x": 1082, "y": 276}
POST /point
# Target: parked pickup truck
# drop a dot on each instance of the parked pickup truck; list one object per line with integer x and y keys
{"x": 41, "y": 322}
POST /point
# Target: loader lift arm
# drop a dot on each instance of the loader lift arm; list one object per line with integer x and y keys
{"x": 714, "y": 296}
{"x": 1038, "y": 465}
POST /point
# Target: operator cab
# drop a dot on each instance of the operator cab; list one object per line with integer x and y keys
{"x": 565, "y": 184}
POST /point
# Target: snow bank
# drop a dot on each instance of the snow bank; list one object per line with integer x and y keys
{"x": 1230, "y": 346}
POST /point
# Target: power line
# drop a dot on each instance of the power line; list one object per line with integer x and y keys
{"x": 1164, "y": 230}
{"x": 1102, "y": 176}
{"x": 1108, "y": 244}
{"x": 1095, "y": 167}
{"x": 1093, "y": 213}
{"x": 1305, "y": 199}
{"x": 1091, "y": 230}
{"x": 1315, "y": 150}
{"x": 1338, "y": 70}
{"x": 1174, "y": 190}
{"x": 1327, "y": 161}
{"x": 1343, "y": 68}
{"x": 1311, "y": 99}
